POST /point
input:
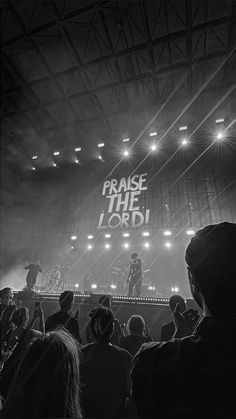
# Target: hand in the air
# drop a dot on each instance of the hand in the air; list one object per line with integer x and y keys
{"x": 184, "y": 322}
{"x": 38, "y": 312}
{"x": 77, "y": 313}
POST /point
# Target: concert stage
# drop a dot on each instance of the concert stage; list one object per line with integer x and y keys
{"x": 155, "y": 311}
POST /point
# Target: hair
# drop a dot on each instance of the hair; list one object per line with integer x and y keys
{"x": 19, "y": 316}
{"x": 46, "y": 383}
{"x": 210, "y": 257}
{"x": 4, "y": 293}
{"x": 177, "y": 299}
{"x": 105, "y": 301}
{"x": 136, "y": 324}
{"x": 66, "y": 300}
{"x": 134, "y": 255}
{"x": 102, "y": 323}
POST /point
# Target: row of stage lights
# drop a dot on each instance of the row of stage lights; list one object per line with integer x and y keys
{"x": 113, "y": 287}
{"x": 126, "y": 245}
{"x": 126, "y": 152}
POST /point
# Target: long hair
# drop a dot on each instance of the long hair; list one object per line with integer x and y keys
{"x": 46, "y": 384}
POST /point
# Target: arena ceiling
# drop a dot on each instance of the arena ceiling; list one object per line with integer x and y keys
{"x": 78, "y": 72}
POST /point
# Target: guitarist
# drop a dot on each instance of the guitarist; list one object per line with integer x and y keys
{"x": 135, "y": 276}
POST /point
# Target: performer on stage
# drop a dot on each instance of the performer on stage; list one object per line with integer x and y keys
{"x": 54, "y": 279}
{"x": 135, "y": 276}
{"x": 31, "y": 278}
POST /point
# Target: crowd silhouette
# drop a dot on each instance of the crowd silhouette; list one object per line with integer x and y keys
{"x": 120, "y": 372}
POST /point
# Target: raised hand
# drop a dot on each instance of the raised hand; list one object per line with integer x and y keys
{"x": 184, "y": 322}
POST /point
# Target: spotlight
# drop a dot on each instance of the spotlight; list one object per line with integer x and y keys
{"x": 146, "y": 244}
{"x": 34, "y": 157}
{"x": 190, "y": 232}
{"x": 107, "y": 236}
{"x": 94, "y": 286}
{"x": 76, "y": 161}
{"x": 56, "y": 153}
{"x": 113, "y": 286}
{"x": 219, "y": 136}
{"x": 218, "y": 121}
{"x": 153, "y": 147}
{"x": 125, "y": 234}
{"x": 73, "y": 238}
{"x": 152, "y": 134}
{"x": 33, "y": 168}
{"x": 175, "y": 289}
{"x": 54, "y": 165}
{"x": 100, "y": 157}
{"x": 76, "y": 285}
{"x": 167, "y": 233}
{"x": 146, "y": 234}
{"x": 89, "y": 247}
{"x": 78, "y": 149}
{"x": 126, "y": 245}
{"x": 72, "y": 248}
{"x": 184, "y": 142}
{"x": 107, "y": 246}
{"x": 183, "y": 128}
{"x": 126, "y": 153}
{"x": 101, "y": 145}
{"x": 168, "y": 245}
{"x": 125, "y": 140}
{"x": 90, "y": 236}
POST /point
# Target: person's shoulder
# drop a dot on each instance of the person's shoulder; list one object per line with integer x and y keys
{"x": 167, "y": 325}
{"x": 122, "y": 353}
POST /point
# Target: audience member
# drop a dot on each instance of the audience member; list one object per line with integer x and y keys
{"x": 46, "y": 384}
{"x": 192, "y": 377}
{"x": 105, "y": 301}
{"x": 6, "y": 295}
{"x": 105, "y": 370}
{"x": 168, "y": 329}
{"x": 6, "y": 309}
{"x": 64, "y": 317}
{"x": 136, "y": 335}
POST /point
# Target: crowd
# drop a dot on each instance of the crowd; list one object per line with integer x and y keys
{"x": 120, "y": 372}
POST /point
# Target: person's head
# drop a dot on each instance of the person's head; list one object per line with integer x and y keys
{"x": 136, "y": 325}
{"x": 20, "y": 316}
{"x": 105, "y": 301}
{"x": 6, "y": 295}
{"x": 66, "y": 300}
{"x": 177, "y": 299}
{"x": 212, "y": 270}
{"x": 56, "y": 268}
{"x": 47, "y": 381}
{"x": 134, "y": 256}
{"x": 102, "y": 324}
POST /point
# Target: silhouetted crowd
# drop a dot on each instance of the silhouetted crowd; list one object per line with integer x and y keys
{"x": 121, "y": 372}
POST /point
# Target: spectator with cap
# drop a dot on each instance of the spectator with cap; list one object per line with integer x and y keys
{"x": 136, "y": 335}
{"x": 105, "y": 301}
{"x": 168, "y": 329}
{"x": 192, "y": 377}
{"x": 105, "y": 370}
{"x": 64, "y": 318}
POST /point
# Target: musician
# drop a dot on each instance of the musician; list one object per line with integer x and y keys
{"x": 135, "y": 276}
{"x": 54, "y": 278}
{"x": 31, "y": 278}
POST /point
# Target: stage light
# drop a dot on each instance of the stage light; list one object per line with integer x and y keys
{"x": 54, "y": 165}
{"x": 73, "y": 238}
{"x": 126, "y": 153}
{"x": 125, "y": 234}
{"x": 146, "y": 244}
{"x": 175, "y": 289}
{"x": 78, "y": 149}
{"x": 152, "y": 134}
{"x": 33, "y": 168}
{"x": 107, "y": 246}
{"x": 184, "y": 142}
{"x": 56, "y": 153}
{"x": 183, "y": 128}
{"x": 190, "y": 232}
{"x": 100, "y": 157}
{"x": 90, "y": 236}
{"x": 76, "y": 285}
{"x": 76, "y": 161}
{"x": 153, "y": 147}
{"x": 125, "y": 140}
{"x": 72, "y": 248}
{"x": 220, "y": 135}
{"x": 100, "y": 145}
{"x": 89, "y": 247}
{"x": 146, "y": 234}
{"x": 167, "y": 233}
{"x": 34, "y": 157}
{"x": 126, "y": 245}
{"x": 168, "y": 245}
{"x": 94, "y": 286}
{"x": 218, "y": 121}
{"x": 107, "y": 236}
{"x": 113, "y": 286}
